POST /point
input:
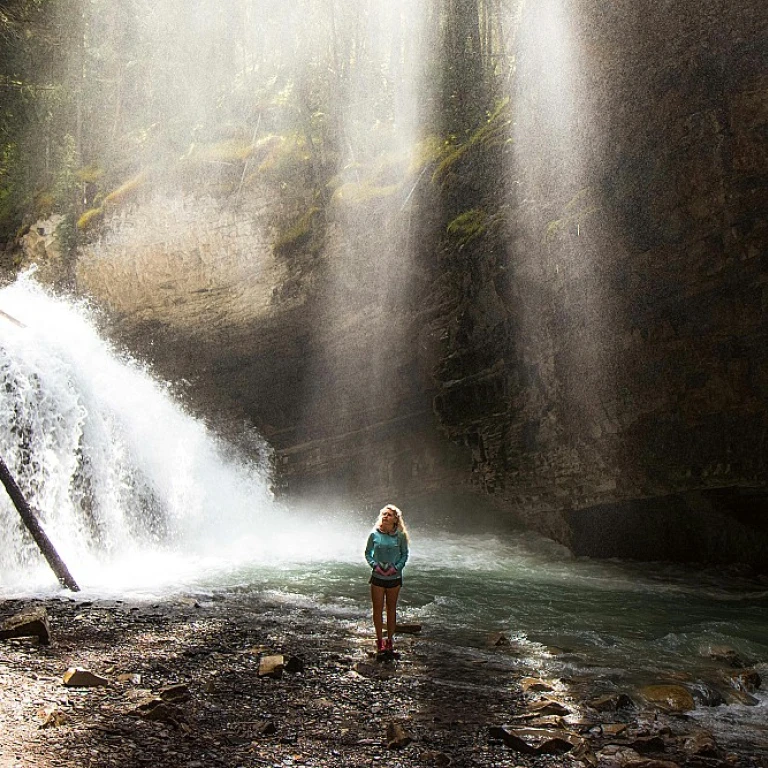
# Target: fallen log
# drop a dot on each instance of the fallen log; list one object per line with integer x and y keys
{"x": 38, "y": 534}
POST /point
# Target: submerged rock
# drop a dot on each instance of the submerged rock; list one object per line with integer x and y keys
{"x": 701, "y": 744}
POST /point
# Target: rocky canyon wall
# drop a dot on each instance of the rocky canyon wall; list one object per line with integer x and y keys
{"x": 597, "y": 366}
{"x": 617, "y": 334}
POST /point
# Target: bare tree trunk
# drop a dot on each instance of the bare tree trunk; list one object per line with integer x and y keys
{"x": 34, "y": 527}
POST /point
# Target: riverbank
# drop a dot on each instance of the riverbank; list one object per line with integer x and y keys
{"x": 187, "y": 682}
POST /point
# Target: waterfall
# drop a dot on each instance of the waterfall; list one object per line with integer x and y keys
{"x": 130, "y": 488}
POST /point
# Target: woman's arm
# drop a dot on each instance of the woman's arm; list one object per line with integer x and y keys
{"x": 369, "y": 551}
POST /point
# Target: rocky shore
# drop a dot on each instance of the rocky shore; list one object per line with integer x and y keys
{"x": 203, "y": 681}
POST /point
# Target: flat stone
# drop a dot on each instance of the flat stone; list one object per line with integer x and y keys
{"x": 76, "y": 677}
{"x": 408, "y": 629}
{"x": 175, "y": 692}
{"x": 535, "y": 684}
{"x": 537, "y": 741}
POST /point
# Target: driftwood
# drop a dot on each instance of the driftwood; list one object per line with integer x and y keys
{"x": 34, "y": 527}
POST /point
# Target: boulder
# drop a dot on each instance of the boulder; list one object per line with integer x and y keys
{"x": 672, "y": 698}
{"x": 32, "y": 622}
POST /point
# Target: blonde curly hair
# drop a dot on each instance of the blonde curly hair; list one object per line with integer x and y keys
{"x": 399, "y": 524}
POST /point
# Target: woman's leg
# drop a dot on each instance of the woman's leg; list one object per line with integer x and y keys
{"x": 377, "y": 599}
{"x": 392, "y": 594}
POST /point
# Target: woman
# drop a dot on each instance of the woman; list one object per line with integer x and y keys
{"x": 386, "y": 552}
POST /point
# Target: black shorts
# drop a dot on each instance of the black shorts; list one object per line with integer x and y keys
{"x": 386, "y": 583}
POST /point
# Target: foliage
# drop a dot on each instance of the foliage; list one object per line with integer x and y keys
{"x": 468, "y": 225}
{"x": 290, "y": 91}
{"x": 575, "y": 212}
{"x": 297, "y": 233}
{"x": 493, "y": 132}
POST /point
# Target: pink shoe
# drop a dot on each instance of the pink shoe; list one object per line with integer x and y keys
{"x": 388, "y": 645}
{"x": 382, "y": 646}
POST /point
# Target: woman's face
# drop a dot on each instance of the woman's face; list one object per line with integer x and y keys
{"x": 388, "y": 520}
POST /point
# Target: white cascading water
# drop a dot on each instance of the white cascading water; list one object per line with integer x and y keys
{"x": 132, "y": 490}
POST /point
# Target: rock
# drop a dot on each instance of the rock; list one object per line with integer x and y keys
{"x": 546, "y": 721}
{"x": 265, "y": 727}
{"x": 650, "y": 763}
{"x": 612, "y": 729}
{"x": 546, "y": 706}
{"x": 536, "y": 741}
{"x": 706, "y": 695}
{"x": 32, "y": 622}
{"x": 160, "y": 711}
{"x": 611, "y": 702}
{"x": 175, "y": 692}
{"x": 701, "y": 744}
{"x": 129, "y": 677}
{"x": 647, "y": 744}
{"x": 747, "y": 680}
{"x": 76, "y": 677}
{"x": 725, "y": 654}
{"x": 271, "y": 666}
{"x": 739, "y": 696}
{"x": 672, "y": 698}
{"x": 438, "y": 759}
{"x": 51, "y": 717}
{"x": 535, "y": 684}
{"x": 41, "y": 244}
{"x": 408, "y": 629}
{"x": 397, "y": 736}
{"x": 615, "y": 756}
{"x": 294, "y": 664}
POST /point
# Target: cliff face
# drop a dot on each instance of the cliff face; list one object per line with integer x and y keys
{"x": 305, "y": 346}
{"x": 598, "y": 368}
{"x": 622, "y": 325}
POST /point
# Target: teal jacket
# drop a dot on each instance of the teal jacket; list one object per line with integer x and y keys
{"x": 387, "y": 548}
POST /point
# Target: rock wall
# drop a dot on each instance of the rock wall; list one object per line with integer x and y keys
{"x": 305, "y": 347}
{"x": 617, "y": 338}
{"x": 598, "y": 368}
